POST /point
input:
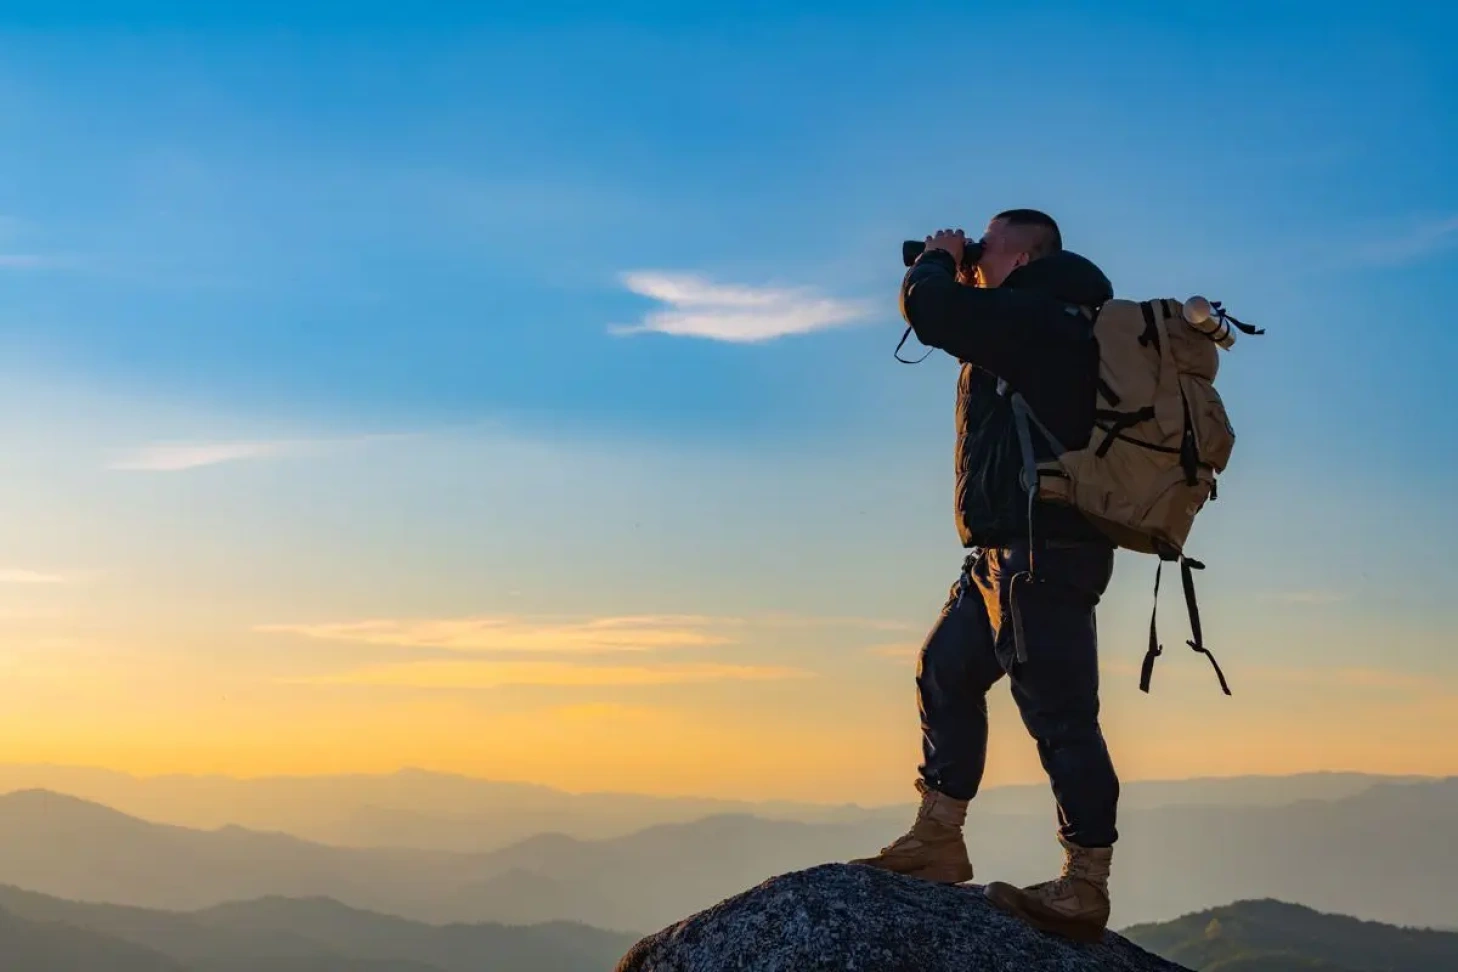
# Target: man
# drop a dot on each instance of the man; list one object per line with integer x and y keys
{"x": 1021, "y": 607}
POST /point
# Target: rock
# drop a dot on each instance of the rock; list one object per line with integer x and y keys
{"x": 851, "y": 918}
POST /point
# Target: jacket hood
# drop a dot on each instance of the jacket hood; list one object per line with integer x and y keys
{"x": 1065, "y": 276}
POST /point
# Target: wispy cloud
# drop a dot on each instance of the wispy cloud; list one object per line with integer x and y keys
{"x": 736, "y": 313}
{"x": 40, "y": 261}
{"x": 514, "y": 634}
{"x": 480, "y": 674}
{"x": 181, "y": 456}
{"x": 175, "y": 458}
{"x": 1418, "y": 241}
{"x": 23, "y": 261}
{"x": 13, "y": 575}
{"x": 555, "y": 634}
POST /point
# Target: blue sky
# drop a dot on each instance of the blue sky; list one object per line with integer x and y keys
{"x": 311, "y": 317}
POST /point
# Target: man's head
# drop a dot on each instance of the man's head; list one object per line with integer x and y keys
{"x": 1013, "y": 239}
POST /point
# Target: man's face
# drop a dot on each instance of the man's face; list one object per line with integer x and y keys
{"x": 1004, "y": 249}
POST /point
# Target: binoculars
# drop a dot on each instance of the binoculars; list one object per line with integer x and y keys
{"x": 971, "y": 253}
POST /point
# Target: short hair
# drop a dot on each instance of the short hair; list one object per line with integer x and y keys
{"x": 1047, "y": 240}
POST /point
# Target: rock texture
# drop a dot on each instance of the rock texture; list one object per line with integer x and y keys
{"x": 849, "y": 918}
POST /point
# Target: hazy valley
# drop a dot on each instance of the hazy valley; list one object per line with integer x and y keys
{"x": 439, "y": 811}
{"x": 1199, "y": 849}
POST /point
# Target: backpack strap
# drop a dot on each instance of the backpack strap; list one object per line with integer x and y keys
{"x": 1198, "y": 644}
{"x": 1155, "y": 648}
{"x": 1187, "y": 566}
{"x": 1023, "y": 420}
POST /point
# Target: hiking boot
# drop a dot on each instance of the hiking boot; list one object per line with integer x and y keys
{"x": 1075, "y": 906}
{"x": 932, "y": 849}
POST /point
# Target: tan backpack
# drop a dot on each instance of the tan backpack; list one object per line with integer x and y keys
{"x": 1161, "y": 436}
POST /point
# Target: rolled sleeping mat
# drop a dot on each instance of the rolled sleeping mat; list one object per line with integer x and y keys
{"x": 1214, "y": 325}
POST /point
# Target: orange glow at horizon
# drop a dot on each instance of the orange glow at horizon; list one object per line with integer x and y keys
{"x": 840, "y": 742}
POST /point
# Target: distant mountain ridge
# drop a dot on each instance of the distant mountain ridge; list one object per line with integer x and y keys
{"x": 442, "y": 811}
{"x": 281, "y": 935}
{"x": 1169, "y": 861}
{"x": 1276, "y": 936}
{"x": 50, "y": 946}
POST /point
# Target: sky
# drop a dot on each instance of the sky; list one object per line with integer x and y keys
{"x": 512, "y": 393}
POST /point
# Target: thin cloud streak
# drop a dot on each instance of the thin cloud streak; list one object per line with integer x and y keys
{"x": 730, "y": 312}
{"x": 556, "y": 634}
{"x": 182, "y": 456}
{"x": 478, "y": 674}
{"x": 176, "y": 458}
{"x": 24, "y": 261}
{"x": 12, "y": 575}
{"x": 512, "y": 634}
{"x": 1420, "y": 241}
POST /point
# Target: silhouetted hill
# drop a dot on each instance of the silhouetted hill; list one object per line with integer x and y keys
{"x": 1169, "y": 861}
{"x": 408, "y": 808}
{"x": 45, "y": 946}
{"x": 451, "y": 947}
{"x": 1274, "y": 936}
{"x": 74, "y": 849}
{"x": 301, "y": 935}
{"x": 673, "y": 866}
{"x": 441, "y": 811}
{"x": 1384, "y": 854}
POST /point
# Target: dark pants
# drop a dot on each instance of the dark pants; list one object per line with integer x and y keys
{"x": 1056, "y": 689}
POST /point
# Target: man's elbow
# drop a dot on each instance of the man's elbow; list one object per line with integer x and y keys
{"x": 929, "y": 312}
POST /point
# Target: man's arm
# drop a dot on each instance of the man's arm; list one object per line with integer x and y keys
{"x": 999, "y": 330}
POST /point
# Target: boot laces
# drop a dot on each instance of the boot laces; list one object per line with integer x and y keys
{"x": 923, "y": 815}
{"x": 1076, "y": 867}
{"x": 1080, "y": 867}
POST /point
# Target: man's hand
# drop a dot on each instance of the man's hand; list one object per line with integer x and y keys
{"x": 953, "y": 241}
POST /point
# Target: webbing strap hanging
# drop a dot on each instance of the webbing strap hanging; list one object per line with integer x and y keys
{"x": 1155, "y": 648}
{"x": 1224, "y": 315}
{"x": 1197, "y": 643}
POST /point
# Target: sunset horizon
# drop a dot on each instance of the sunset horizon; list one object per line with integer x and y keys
{"x": 789, "y": 486}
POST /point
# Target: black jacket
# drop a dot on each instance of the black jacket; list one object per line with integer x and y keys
{"x": 1023, "y": 333}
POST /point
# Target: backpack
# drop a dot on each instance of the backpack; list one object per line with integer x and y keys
{"x": 1161, "y": 437}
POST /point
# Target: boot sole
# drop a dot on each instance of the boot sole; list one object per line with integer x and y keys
{"x": 954, "y": 876}
{"x": 1009, "y": 900}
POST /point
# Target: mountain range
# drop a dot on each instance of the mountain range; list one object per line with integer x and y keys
{"x": 39, "y": 933}
{"x": 439, "y": 811}
{"x": 1171, "y": 860}
{"x": 1276, "y": 936}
